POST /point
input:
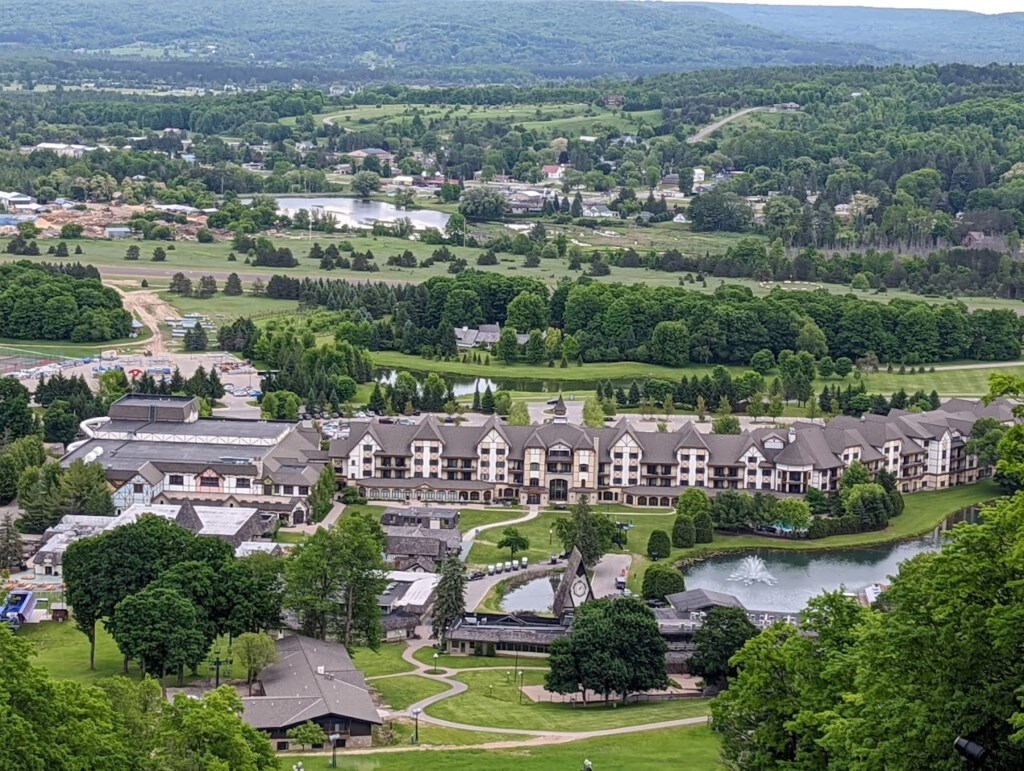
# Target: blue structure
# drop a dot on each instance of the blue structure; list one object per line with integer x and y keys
{"x": 17, "y": 609}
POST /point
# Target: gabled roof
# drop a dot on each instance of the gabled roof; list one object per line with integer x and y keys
{"x": 701, "y": 599}
{"x": 296, "y": 690}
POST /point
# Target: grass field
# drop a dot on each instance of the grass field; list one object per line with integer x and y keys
{"x": 221, "y": 308}
{"x": 947, "y": 380}
{"x": 62, "y": 350}
{"x": 493, "y": 700}
{"x": 689, "y": 749}
{"x": 444, "y": 661}
{"x": 402, "y": 692}
{"x": 470, "y": 519}
{"x": 387, "y": 660}
{"x": 63, "y": 651}
{"x": 442, "y": 736}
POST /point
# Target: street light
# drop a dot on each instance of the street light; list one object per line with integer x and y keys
{"x": 522, "y": 682}
{"x": 551, "y": 532}
{"x": 436, "y": 654}
{"x": 216, "y": 664}
{"x": 416, "y": 734}
{"x": 334, "y": 749}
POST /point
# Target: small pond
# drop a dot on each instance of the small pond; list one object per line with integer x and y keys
{"x": 356, "y": 213}
{"x": 465, "y": 386}
{"x": 794, "y": 577}
{"x": 535, "y": 596}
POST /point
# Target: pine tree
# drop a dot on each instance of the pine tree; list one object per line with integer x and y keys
{"x": 233, "y": 286}
{"x": 476, "y": 399}
{"x": 378, "y": 403}
{"x": 10, "y": 544}
{"x": 487, "y": 402}
{"x": 450, "y": 599}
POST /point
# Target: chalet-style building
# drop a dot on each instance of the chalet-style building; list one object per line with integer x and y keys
{"x": 314, "y": 680}
{"x": 558, "y": 462}
{"x": 157, "y": 450}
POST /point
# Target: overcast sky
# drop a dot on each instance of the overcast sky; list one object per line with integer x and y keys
{"x": 979, "y": 6}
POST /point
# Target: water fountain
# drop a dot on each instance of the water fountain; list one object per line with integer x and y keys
{"x": 752, "y": 570}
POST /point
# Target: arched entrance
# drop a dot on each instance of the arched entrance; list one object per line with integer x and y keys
{"x": 558, "y": 490}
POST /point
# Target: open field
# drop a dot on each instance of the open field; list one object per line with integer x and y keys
{"x": 566, "y": 117}
{"x": 691, "y": 748}
{"x": 402, "y": 692}
{"x": 493, "y": 700}
{"x": 222, "y": 308}
{"x": 442, "y": 736}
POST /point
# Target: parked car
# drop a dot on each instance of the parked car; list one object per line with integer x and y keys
{"x": 476, "y": 575}
{"x": 498, "y": 568}
{"x": 490, "y": 570}
{"x": 508, "y": 567}
{"x": 523, "y": 563}
{"x": 385, "y": 420}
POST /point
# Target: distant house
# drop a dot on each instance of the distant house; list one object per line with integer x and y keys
{"x": 64, "y": 150}
{"x": 418, "y": 549}
{"x": 613, "y": 100}
{"x": 13, "y": 200}
{"x": 314, "y": 680}
{"x": 553, "y": 172}
{"x": 440, "y": 519}
{"x": 485, "y": 336}
{"x": 598, "y": 211}
{"x": 977, "y": 240}
{"x": 118, "y": 232}
{"x": 381, "y": 155}
{"x": 698, "y": 176}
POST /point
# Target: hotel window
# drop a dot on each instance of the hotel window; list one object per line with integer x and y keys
{"x": 534, "y": 467}
{"x": 176, "y": 479}
{"x": 209, "y": 482}
{"x": 303, "y": 490}
{"x": 500, "y": 451}
{"x": 367, "y": 448}
{"x": 242, "y": 482}
{"x": 137, "y": 489}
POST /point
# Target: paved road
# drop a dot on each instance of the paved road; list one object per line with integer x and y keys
{"x": 705, "y": 132}
{"x": 606, "y": 571}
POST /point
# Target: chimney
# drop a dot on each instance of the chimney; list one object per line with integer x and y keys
{"x": 320, "y": 669}
{"x": 792, "y": 435}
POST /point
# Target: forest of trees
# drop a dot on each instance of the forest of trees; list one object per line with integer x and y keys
{"x": 611, "y": 322}
{"x": 40, "y": 304}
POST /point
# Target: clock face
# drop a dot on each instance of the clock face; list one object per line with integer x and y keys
{"x": 579, "y": 588}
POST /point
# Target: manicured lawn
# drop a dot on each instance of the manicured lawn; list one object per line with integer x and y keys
{"x": 494, "y": 701}
{"x": 286, "y": 536}
{"x": 62, "y": 350}
{"x": 440, "y": 736}
{"x": 444, "y": 661}
{"x": 63, "y": 651}
{"x": 222, "y": 308}
{"x": 693, "y": 748}
{"x": 387, "y": 660}
{"x": 402, "y": 692}
{"x": 470, "y": 519}
{"x": 364, "y": 508}
{"x": 948, "y": 382}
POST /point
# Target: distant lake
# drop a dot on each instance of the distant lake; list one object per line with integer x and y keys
{"x": 356, "y": 213}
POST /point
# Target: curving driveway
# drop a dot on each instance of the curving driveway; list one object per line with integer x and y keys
{"x": 710, "y": 129}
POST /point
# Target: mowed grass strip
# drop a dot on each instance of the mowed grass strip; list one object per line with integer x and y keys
{"x": 693, "y": 748}
{"x": 493, "y": 700}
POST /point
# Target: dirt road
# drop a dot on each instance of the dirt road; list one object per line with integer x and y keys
{"x": 151, "y": 311}
{"x": 705, "y": 132}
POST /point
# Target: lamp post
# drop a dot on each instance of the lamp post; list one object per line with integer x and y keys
{"x": 551, "y": 532}
{"x": 216, "y": 665}
{"x": 522, "y": 682}
{"x": 334, "y": 749}
{"x": 416, "y": 732}
{"x": 436, "y": 654}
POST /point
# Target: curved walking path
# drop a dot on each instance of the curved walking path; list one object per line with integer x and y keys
{"x": 455, "y": 687}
